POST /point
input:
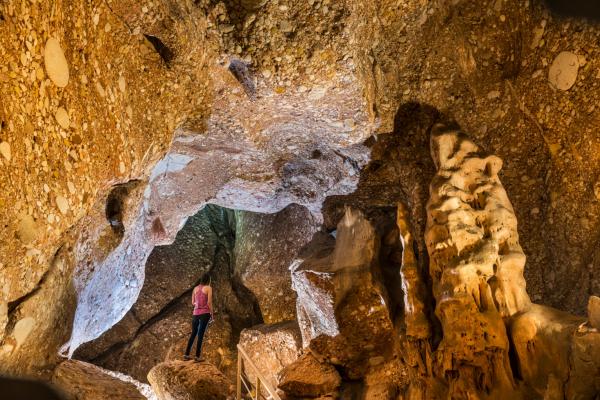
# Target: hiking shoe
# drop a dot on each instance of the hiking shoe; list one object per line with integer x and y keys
{"x": 186, "y": 358}
{"x": 198, "y": 359}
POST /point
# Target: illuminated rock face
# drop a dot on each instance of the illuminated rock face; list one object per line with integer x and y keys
{"x": 81, "y": 380}
{"x": 476, "y": 264}
{"x": 247, "y": 255}
{"x": 271, "y": 348}
{"x": 180, "y": 380}
{"x": 166, "y": 105}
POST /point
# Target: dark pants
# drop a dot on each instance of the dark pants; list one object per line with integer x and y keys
{"x": 199, "y": 324}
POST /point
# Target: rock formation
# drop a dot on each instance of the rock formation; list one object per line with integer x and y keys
{"x": 308, "y": 378}
{"x": 271, "y": 348}
{"x": 215, "y": 240}
{"x": 476, "y": 265}
{"x": 342, "y": 304}
{"x": 122, "y": 120}
{"x": 79, "y": 380}
{"x": 180, "y": 380}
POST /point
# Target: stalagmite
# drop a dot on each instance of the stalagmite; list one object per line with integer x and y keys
{"x": 476, "y": 265}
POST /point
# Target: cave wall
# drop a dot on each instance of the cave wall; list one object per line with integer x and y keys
{"x": 489, "y": 66}
{"x": 87, "y": 103}
{"x": 251, "y": 284}
{"x": 320, "y": 72}
{"x": 466, "y": 327}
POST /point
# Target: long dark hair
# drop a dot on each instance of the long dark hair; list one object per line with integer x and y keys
{"x": 205, "y": 280}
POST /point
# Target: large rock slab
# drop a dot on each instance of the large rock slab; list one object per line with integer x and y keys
{"x": 558, "y": 354}
{"x": 83, "y": 381}
{"x": 271, "y": 348}
{"x": 342, "y": 304}
{"x": 266, "y": 246}
{"x": 187, "y": 380}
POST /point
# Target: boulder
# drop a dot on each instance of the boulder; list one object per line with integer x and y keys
{"x": 541, "y": 338}
{"x": 268, "y": 245}
{"x": 557, "y": 353}
{"x": 187, "y": 380}
{"x": 82, "y": 381}
{"x": 271, "y": 348}
{"x": 342, "y": 304}
{"x": 307, "y": 377}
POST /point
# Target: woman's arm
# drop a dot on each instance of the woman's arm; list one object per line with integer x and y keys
{"x": 194, "y": 295}
{"x": 210, "y": 305}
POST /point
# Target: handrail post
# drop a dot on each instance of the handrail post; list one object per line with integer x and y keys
{"x": 260, "y": 380}
{"x": 257, "y": 388}
{"x": 238, "y": 393}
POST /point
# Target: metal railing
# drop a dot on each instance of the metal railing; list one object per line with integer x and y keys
{"x": 254, "y": 390}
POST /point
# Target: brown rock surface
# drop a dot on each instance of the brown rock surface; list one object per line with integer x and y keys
{"x": 268, "y": 103}
{"x": 181, "y": 380}
{"x": 79, "y": 380}
{"x": 307, "y": 377}
{"x": 159, "y": 324}
{"x": 265, "y": 247}
{"x": 593, "y": 312}
{"x": 72, "y": 57}
{"x": 486, "y": 66}
{"x": 271, "y": 348}
{"x": 342, "y": 304}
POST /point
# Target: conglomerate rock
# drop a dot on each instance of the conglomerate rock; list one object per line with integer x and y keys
{"x": 486, "y": 65}
{"x": 271, "y": 348}
{"x": 308, "y": 378}
{"x": 269, "y": 102}
{"x": 79, "y": 380}
{"x": 342, "y": 304}
{"x": 239, "y": 249}
{"x": 88, "y": 104}
{"x": 158, "y": 325}
{"x": 186, "y": 380}
{"x": 265, "y": 247}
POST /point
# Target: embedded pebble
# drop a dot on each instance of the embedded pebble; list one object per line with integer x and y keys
{"x": 317, "y": 93}
{"x": 122, "y": 84}
{"x": 62, "y": 204}
{"x": 563, "y": 71}
{"x": 227, "y": 28}
{"x": 27, "y": 230}
{"x": 22, "y": 329}
{"x": 5, "y": 150}
{"x": 538, "y": 34}
{"x": 286, "y": 27}
{"x": 62, "y": 117}
{"x": 56, "y": 63}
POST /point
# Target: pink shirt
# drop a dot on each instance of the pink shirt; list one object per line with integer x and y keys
{"x": 201, "y": 302}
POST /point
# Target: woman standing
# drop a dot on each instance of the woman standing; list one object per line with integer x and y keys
{"x": 202, "y": 301}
